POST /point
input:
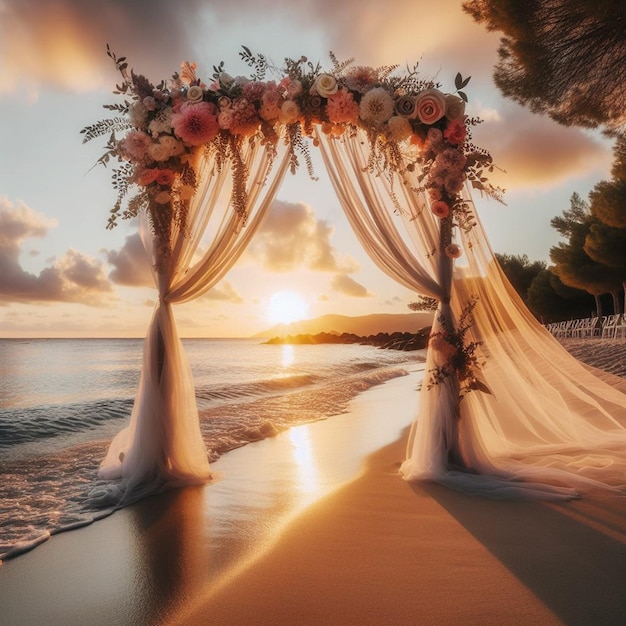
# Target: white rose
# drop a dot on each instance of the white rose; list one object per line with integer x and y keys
{"x": 289, "y": 112}
{"x": 241, "y": 80}
{"x": 158, "y": 152}
{"x": 325, "y": 85}
{"x": 173, "y": 146}
{"x": 195, "y": 94}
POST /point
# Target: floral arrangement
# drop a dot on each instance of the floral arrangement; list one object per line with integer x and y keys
{"x": 459, "y": 355}
{"x": 165, "y": 126}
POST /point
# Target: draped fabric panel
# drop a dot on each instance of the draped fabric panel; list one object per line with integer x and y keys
{"x": 550, "y": 428}
{"x": 162, "y": 445}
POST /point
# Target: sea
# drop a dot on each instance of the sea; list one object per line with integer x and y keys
{"x": 63, "y": 400}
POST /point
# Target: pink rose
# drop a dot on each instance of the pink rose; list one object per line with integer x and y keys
{"x": 455, "y": 132}
{"x": 440, "y": 209}
{"x": 430, "y": 106}
{"x": 453, "y": 251}
{"x": 147, "y": 177}
{"x": 165, "y": 177}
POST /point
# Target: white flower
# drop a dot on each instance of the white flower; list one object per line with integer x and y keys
{"x": 325, "y": 85}
{"x": 162, "y": 123}
{"x": 137, "y": 113}
{"x": 376, "y": 106}
{"x": 195, "y": 94}
{"x": 226, "y": 80}
{"x": 150, "y": 103}
{"x": 241, "y": 80}
{"x": 158, "y": 152}
{"x": 289, "y": 112}
{"x": 455, "y": 107}
{"x": 172, "y": 144}
{"x": 399, "y": 127}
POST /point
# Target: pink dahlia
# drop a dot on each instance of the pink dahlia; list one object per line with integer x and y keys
{"x": 195, "y": 124}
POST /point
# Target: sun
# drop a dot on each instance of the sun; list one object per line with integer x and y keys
{"x": 285, "y": 307}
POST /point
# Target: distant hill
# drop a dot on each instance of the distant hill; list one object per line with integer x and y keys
{"x": 363, "y": 325}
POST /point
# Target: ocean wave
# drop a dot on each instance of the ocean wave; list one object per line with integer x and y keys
{"x": 25, "y": 425}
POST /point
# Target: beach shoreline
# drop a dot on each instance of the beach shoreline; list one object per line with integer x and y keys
{"x": 315, "y": 526}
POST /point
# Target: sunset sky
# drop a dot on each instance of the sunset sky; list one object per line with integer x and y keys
{"x": 62, "y": 274}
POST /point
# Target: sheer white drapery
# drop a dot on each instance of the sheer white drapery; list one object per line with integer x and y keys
{"x": 550, "y": 428}
{"x": 162, "y": 445}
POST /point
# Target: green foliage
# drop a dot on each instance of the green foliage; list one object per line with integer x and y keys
{"x": 566, "y": 58}
{"x": 608, "y": 202}
{"x": 551, "y": 301}
{"x": 424, "y": 303}
{"x": 520, "y": 271}
{"x": 571, "y": 263}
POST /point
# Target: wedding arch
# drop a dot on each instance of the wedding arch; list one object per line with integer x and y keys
{"x": 504, "y": 410}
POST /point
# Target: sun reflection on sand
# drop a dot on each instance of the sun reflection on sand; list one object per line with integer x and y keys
{"x": 308, "y": 472}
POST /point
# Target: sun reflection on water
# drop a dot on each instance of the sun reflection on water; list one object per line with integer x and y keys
{"x": 288, "y": 356}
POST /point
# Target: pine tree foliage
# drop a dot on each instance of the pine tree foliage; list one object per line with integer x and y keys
{"x": 566, "y": 58}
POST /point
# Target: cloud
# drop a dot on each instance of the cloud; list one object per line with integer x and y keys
{"x": 534, "y": 150}
{"x": 342, "y": 283}
{"x": 61, "y": 43}
{"x": 74, "y": 277}
{"x": 130, "y": 264}
{"x": 224, "y": 292}
{"x": 292, "y": 237}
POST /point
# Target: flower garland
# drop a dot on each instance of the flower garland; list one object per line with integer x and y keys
{"x": 407, "y": 120}
{"x": 459, "y": 355}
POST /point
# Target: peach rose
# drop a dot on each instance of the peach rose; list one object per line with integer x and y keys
{"x": 430, "y": 106}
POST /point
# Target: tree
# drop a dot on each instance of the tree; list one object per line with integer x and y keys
{"x": 572, "y": 264}
{"x": 552, "y": 301}
{"x": 606, "y": 241}
{"x": 566, "y": 58}
{"x": 520, "y": 271}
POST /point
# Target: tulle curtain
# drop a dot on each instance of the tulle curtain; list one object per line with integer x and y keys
{"x": 162, "y": 445}
{"x": 550, "y": 428}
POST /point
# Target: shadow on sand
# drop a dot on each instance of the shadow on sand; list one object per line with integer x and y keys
{"x": 571, "y": 555}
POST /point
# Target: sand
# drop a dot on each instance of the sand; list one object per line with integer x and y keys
{"x": 315, "y": 527}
